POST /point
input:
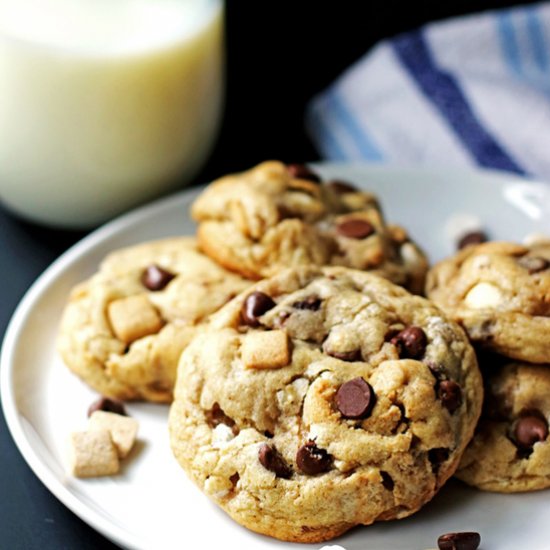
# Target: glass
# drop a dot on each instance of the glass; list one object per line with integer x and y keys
{"x": 105, "y": 104}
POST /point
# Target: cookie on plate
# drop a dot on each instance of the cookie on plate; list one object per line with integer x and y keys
{"x": 500, "y": 293}
{"x": 123, "y": 329}
{"x": 323, "y": 398}
{"x": 275, "y": 216}
{"x": 510, "y": 451}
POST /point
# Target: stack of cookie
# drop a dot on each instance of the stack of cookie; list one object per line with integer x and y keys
{"x": 500, "y": 293}
{"x": 324, "y": 393}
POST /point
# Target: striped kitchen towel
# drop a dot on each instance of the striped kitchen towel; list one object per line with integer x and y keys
{"x": 472, "y": 90}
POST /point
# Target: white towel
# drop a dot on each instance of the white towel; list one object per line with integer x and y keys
{"x": 471, "y": 90}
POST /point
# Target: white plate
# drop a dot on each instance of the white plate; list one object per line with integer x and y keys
{"x": 152, "y": 504}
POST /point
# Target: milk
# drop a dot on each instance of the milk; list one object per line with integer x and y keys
{"x": 104, "y": 103}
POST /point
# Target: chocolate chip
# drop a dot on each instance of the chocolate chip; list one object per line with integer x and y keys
{"x": 437, "y": 457}
{"x": 387, "y": 480}
{"x": 108, "y": 405}
{"x": 312, "y": 303}
{"x": 312, "y": 460}
{"x": 155, "y": 277}
{"x": 459, "y": 541}
{"x": 216, "y": 416}
{"x": 530, "y": 428}
{"x": 234, "y": 478}
{"x": 301, "y": 171}
{"x": 271, "y": 460}
{"x": 473, "y": 237}
{"x": 355, "y": 398}
{"x": 353, "y": 355}
{"x": 255, "y": 305}
{"x": 450, "y": 394}
{"x": 410, "y": 342}
{"x": 533, "y": 264}
{"x": 341, "y": 187}
{"x": 355, "y": 228}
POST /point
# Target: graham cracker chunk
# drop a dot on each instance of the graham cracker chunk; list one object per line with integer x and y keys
{"x": 92, "y": 454}
{"x": 266, "y": 350}
{"x": 122, "y": 429}
{"x": 133, "y": 318}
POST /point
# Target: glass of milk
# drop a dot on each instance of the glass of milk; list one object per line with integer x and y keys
{"x": 104, "y": 104}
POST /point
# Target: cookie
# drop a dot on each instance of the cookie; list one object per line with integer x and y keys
{"x": 275, "y": 216}
{"x": 123, "y": 329}
{"x": 323, "y": 398}
{"x": 500, "y": 293}
{"x": 510, "y": 451}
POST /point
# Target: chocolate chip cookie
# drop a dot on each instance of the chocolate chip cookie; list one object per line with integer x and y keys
{"x": 500, "y": 293}
{"x": 124, "y": 328}
{"x": 510, "y": 451}
{"x": 275, "y": 216}
{"x": 323, "y": 398}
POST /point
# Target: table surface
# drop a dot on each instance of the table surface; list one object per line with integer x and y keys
{"x": 295, "y": 54}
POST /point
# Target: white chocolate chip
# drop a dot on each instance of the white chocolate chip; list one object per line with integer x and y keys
{"x": 222, "y": 434}
{"x": 484, "y": 295}
{"x": 410, "y": 256}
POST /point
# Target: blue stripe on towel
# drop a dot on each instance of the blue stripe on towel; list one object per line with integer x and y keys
{"x": 364, "y": 142}
{"x": 509, "y": 42}
{"x": 538, "y": 40}
{"x": 446, "y": 95}
{"x": 530, "y": 67}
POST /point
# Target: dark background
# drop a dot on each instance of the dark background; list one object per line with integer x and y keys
{"x": 279, "y": 54}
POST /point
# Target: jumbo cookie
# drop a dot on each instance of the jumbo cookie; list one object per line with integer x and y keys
{"x": 510, "y": 451}
{"x": 500, "y": 293}
{"x": 275, "y": 216}
{"x": 123, "y": 329}
{"x": 323, "y": 398}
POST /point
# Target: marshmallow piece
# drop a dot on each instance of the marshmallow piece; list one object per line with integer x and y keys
{"x": 133, "y": 318}
{"x": 484, "y": 295}
{"x": 266, "y": 350}
{"x": 122, "y": 429}
{"x": 92, "y": 454}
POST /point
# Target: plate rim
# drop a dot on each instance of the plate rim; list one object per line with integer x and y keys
{"x": 38, "y": 288}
